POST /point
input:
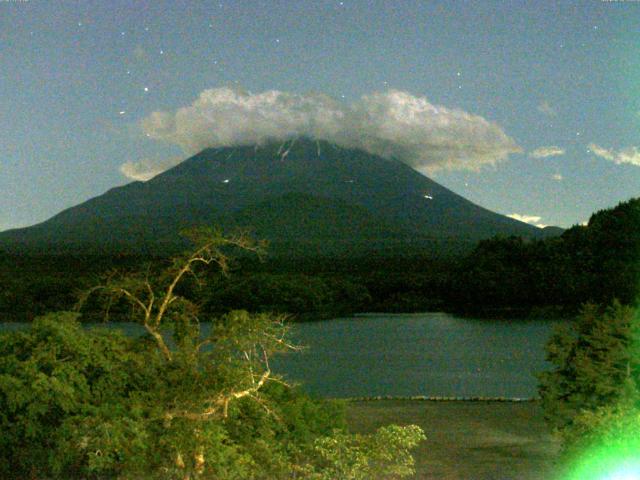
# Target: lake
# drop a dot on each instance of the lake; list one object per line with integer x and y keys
{"x": 431, "y": 354}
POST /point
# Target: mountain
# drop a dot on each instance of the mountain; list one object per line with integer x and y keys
{"x": 309, "y": 196}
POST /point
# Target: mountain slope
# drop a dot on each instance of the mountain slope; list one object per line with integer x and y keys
{"x": 277, "y": 188}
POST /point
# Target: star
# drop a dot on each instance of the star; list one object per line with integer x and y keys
{"x": 146, "y": 89}
{"x": 161, "y": 52}
{"x": 458, "y": 74}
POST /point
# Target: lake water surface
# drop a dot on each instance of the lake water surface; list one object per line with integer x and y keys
{"x": 432, "y": 354}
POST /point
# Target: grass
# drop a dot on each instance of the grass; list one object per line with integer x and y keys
{"x": 468, "y": 440}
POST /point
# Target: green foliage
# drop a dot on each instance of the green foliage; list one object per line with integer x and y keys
{"x": 604, "y": 443}
{"x": 78, "y": 403}
{"x": 608, "y": 427}
{"x": 384, "y": 454}
{"x": 55, "y": 373}
{"x": 596, "y": 365}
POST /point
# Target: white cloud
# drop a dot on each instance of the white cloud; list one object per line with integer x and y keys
{"x": 530, "y": 219}
{"x": 393, "y": 124}
{"x": 547, "y": 109}
{"x": 629, "y": 155}
{"x": 146, "y": 169}
{"x": 601, "y": 152}
{"x": 544, "y": 152}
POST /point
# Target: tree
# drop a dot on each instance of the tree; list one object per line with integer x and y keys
{"x": 175, "y": 403}
{"x": 614, "y": 244}
{"x": 596, "y": 368}
{"x": 55, "y": 374}
{"x": 600, "y": 441}
{"x": 496, "y": 275}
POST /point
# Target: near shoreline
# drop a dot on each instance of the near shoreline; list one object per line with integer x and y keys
{"x": 476, "y": 440}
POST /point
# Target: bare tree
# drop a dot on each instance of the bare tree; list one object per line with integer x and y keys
{"x": 239, "y": 343}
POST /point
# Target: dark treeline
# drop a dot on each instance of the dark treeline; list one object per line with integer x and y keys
{"x": 304, "y": 288}
{"x": 596, "y": 263}
{"x": 32, "y": 285}
{"x": 500, "y": 277}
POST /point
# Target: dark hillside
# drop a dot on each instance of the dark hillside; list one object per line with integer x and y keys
{"x": 323, "y": 196}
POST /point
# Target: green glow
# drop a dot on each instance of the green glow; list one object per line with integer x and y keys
{"x": 613, "y": 435}
{"x": 615, "y": 454}
{"x": 608, "y": 465}
{"x": 625, "y": 472}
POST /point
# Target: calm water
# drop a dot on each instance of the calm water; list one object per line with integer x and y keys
{"x": 431, "y": 354}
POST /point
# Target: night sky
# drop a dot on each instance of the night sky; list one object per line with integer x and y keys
{"x": 526, "y": 108}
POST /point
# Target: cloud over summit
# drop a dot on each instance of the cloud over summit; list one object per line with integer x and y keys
{"x": 225, "y": 117}
{"x": 393, "y": 124}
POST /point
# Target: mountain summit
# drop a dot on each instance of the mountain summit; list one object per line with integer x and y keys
{"x": 303, "y": 195}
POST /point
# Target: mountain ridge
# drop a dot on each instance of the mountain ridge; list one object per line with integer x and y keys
{"x": 224, "y": 185}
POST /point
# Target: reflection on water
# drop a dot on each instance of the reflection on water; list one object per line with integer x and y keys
{"x": 432, "y": 354}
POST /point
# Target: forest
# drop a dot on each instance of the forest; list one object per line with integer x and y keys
{"x": 96, "y": 404}
{"x": 81, "y": 403}
{"x": 500, "y": 277}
